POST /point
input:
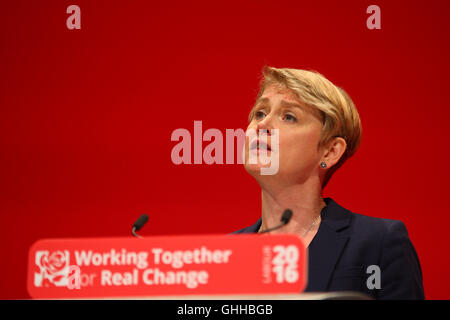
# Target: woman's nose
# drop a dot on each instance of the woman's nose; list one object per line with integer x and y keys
{"x": 265, "y": 126}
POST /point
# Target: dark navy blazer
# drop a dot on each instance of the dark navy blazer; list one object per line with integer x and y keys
{"x": 347, "y": 243}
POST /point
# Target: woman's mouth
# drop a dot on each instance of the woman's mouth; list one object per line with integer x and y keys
{"x": 259, "y": 146}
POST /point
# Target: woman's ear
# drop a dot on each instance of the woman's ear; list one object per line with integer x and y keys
{"x": 334, "y": 151}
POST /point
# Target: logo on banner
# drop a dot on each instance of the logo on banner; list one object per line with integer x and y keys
{"x": 53, "y": 268}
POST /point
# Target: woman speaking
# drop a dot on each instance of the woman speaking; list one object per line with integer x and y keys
{"x": 317, "y": 129}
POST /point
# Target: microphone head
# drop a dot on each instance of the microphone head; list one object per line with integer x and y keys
{"x": 286, "y": 217}
{"x": 140, "y": 222}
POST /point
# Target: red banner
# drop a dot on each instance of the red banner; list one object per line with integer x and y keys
{"x": 163, "y": 266}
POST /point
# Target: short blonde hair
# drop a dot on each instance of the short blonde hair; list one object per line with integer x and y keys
{"x": 338, "y": 112}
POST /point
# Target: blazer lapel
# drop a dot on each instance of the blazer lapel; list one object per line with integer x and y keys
{"x": 327, "y": 246}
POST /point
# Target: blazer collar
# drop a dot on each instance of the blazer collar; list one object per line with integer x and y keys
{"x": 335, "y": 216}
{"x": 327, "y": 246}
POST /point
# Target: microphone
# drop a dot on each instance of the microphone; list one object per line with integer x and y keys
{"x": 139, "y": 224}
{"x": 285, "y": 218}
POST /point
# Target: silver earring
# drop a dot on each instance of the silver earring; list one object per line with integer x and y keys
{"x": 323, "y": 165}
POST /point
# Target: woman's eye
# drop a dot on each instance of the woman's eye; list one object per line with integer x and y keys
{"x": 289, "y": 117}
{"x": 259, "y": 115}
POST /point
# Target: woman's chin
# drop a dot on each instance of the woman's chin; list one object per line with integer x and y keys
{"x": 256, "y": 169}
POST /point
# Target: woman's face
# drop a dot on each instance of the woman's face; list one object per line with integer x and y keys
{"x": 299, "y": 129}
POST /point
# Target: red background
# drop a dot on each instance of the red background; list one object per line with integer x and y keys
{"x": 87, "y": 115}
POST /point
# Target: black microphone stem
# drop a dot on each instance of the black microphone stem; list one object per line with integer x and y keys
{"x": 285, "y": 218}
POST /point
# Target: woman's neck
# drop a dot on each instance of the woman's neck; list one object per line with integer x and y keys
{"x": 305, "y": 201}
